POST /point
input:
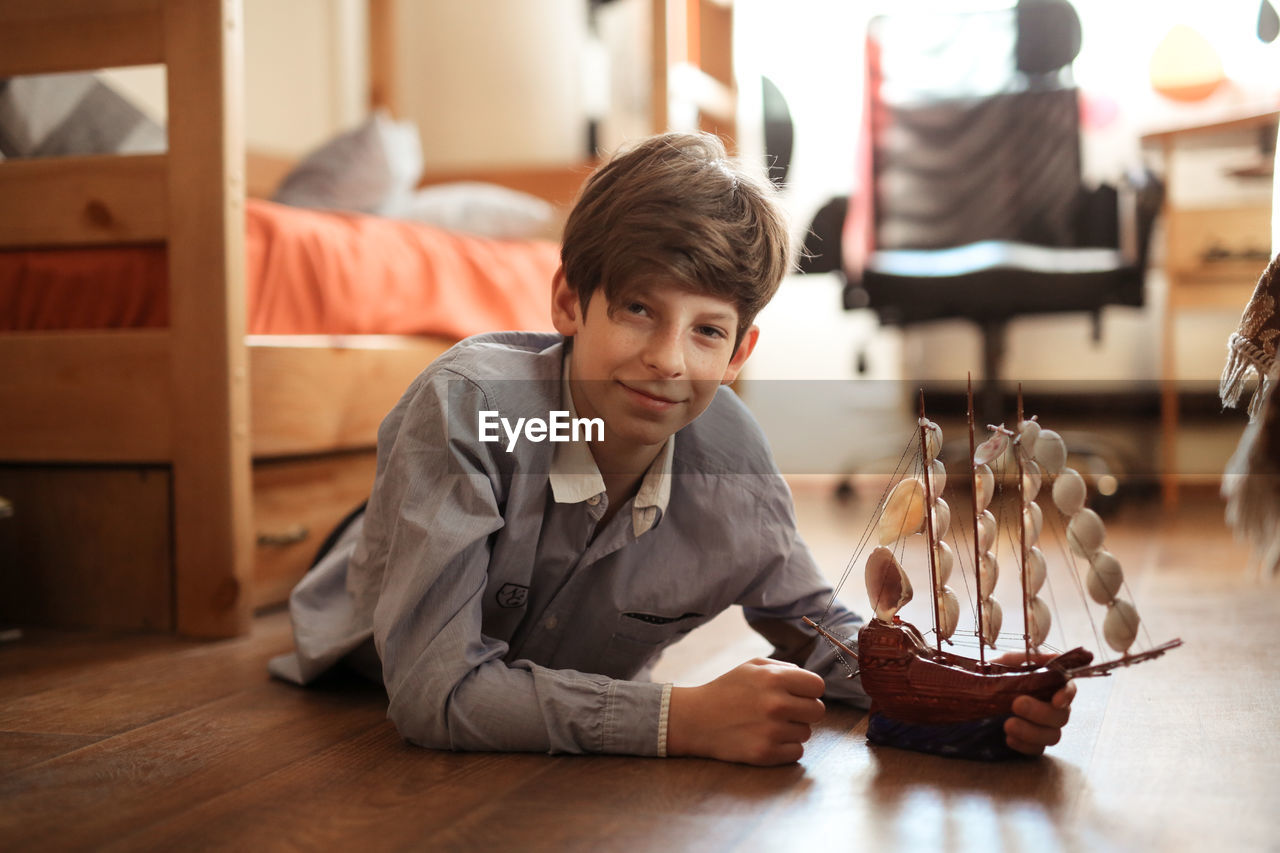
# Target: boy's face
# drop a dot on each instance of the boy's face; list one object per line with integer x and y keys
{"x": 651, "y": 364}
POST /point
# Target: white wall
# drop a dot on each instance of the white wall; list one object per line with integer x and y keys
{"x": 494, "y": 82}
{"x": 306, "y": 73}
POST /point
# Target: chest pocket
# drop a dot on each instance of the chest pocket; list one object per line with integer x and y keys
{"x": 639, "y": 636}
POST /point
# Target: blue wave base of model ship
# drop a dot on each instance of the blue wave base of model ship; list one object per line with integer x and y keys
{"x": 979, "y": 740}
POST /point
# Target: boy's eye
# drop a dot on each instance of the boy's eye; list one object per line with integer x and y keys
{"x": 711, "y": 332}
{"x": 636, "y": 308}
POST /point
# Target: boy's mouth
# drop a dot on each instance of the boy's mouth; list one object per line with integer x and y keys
{"x": 649, "y": 400}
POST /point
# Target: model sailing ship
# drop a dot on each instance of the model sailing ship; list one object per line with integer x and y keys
{"x": 938, "y": 701}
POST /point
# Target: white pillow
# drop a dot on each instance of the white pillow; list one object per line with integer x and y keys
{"x": 371, "y": 169}
{"x": 488, "y": 210}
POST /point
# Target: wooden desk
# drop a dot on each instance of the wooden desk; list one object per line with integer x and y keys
{"x": 1196, "y": 280}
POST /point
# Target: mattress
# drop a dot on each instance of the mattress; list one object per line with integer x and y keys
{"x": 307, "y": 272}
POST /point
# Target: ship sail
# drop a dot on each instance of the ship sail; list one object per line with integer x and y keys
{"x": 887, "y": 584}
{"x": 1031, "y": 440}
{"x": 990, "y": 614}
{"x": 1086, "y": 535}
{"x": 937, "y": 521}
{"x": 903, "y": 514}
{"x": 1041, "y": 456}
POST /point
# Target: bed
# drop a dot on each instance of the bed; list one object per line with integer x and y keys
{"x": 174, "y": 475}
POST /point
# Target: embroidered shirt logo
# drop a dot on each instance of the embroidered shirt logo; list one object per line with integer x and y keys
{"x": 512, "y": 595}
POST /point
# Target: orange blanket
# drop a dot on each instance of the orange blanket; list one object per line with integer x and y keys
{"x": 308, "y": 272}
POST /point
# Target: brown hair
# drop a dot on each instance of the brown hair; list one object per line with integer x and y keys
{"x": 675, "y": 208}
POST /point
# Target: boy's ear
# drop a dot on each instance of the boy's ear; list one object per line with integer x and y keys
{"x": 566, "y": 310}
{"x": 740, "y": 357}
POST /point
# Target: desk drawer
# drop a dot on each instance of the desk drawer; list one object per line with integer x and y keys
{"x": 296, "y": 503}
{"x": 1221, "y": 243}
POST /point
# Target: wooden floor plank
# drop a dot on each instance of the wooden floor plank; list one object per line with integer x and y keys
{"x": 377, "y": 792}
{"x": 106, "y": 696}
{"x": 22, "y": 749}
{"x": 128, "y": 782}
{"x": 633, "y": 803}
{"x": 42, "y": 658}
{"x": 372, "y": 792}
{"x": 630, "y": 804}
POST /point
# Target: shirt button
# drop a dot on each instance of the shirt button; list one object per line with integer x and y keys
{"x": 551, "y": 623}
{"x": 594, "y": 500}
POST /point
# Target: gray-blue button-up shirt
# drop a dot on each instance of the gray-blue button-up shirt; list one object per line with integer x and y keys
{"x": 502, "y": 618}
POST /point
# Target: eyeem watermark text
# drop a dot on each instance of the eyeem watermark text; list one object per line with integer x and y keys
{"x": 559, "y": 426}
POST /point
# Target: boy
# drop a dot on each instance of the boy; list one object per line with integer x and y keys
{"x": 511, "y": 593}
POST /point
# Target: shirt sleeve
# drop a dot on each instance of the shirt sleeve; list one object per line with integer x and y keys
{"x": 435, "y": 507}
{"x": 790, "y": 587}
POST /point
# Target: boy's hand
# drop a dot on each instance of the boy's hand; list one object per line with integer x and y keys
{"x": 757, "y": 713}
{"x": 1036, "y": 724}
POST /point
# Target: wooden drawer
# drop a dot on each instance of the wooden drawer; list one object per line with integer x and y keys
{"x": 296, "y": 503}
{"x": 86, "y": 547}
{"x": 1227, "y": 242}
{"x": 92, "y": 547}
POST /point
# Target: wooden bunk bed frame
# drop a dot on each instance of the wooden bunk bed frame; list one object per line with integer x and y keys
{"x": 160, "y": 420}
{"x": 177, "y": 479}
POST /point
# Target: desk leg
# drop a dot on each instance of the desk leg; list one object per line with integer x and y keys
{"x": 1169, "y": 402}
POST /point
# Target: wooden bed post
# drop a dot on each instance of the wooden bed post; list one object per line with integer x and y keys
{"x": 692, "y": 73}
{"x": 661, "y": 57}
{"x": 212, "y": 502}
{"x": 383, "y": 93}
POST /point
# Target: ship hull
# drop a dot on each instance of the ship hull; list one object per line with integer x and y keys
{"x": 939, "y": 702}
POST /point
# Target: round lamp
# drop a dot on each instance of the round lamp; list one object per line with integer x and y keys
{"x": 1185, "y": 67}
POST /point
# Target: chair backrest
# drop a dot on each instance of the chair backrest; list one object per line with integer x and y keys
{"x": 974, "y": 127}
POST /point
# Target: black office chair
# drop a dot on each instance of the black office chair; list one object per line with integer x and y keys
{"x": 975, "y": 208}
{"x": 779, "y": 132}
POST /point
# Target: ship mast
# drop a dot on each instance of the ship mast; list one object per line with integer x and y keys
{"x": 928, "y": 522}
{"x": 1022, "y": 527}
{"x": 977, "y": 556}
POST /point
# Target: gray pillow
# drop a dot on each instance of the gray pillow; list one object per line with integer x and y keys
{"x": 488, "y": 210}
{"x": 56, "y": 115}
{"x": 371, "y": 169}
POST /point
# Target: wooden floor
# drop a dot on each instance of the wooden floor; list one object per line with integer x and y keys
{"x": 128, "y": 742}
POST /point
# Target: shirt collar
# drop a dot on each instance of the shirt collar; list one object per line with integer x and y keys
{"x": 575, "y": 477}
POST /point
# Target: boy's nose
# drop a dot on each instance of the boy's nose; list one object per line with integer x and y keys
{"x": 664, "y": 354}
